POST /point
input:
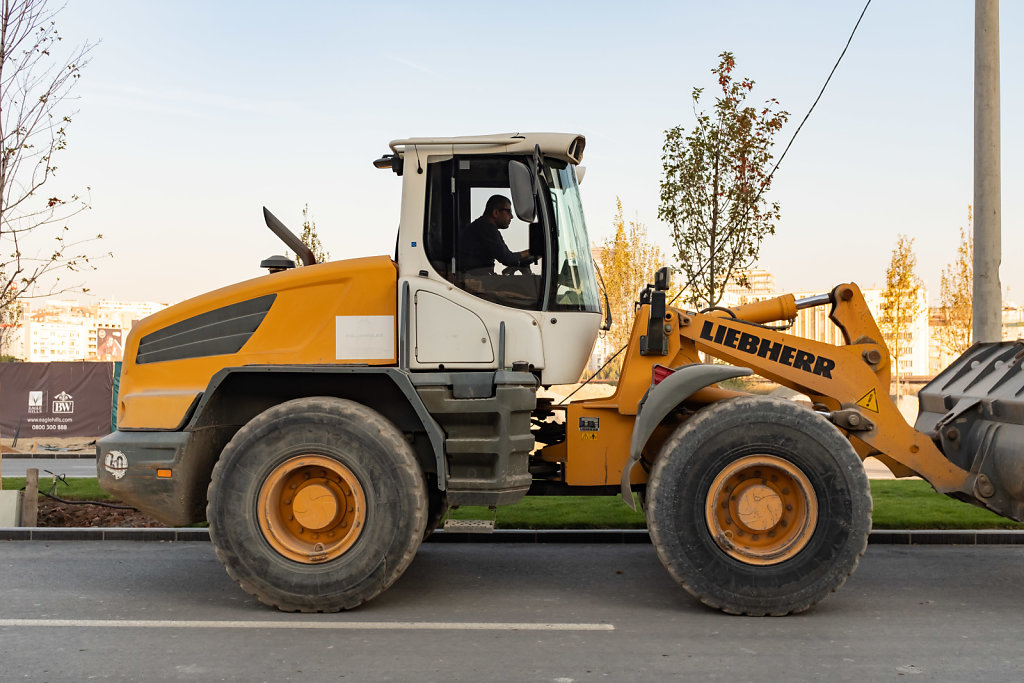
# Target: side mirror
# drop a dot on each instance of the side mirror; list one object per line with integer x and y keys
{"x": 521, "y": 184}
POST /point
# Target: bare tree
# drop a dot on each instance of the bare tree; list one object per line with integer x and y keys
{"x": 36, "y": 248}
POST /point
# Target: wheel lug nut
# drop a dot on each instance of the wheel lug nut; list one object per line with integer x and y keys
{"x": 789, "y": 507}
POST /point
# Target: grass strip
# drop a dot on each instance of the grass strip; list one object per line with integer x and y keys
{"x": 74, "y": 489}
{"x": 897, "y": 505}
{"x": 915, "y": 505}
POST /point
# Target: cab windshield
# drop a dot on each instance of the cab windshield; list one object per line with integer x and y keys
{"x": 574, "y": 286}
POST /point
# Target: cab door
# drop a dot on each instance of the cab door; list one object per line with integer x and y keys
{"x": 453, "y": 318}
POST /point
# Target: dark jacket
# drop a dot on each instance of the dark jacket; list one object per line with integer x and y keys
{"x": 481, "y": 244}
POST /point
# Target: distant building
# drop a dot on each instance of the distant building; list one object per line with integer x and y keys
{"x": 56, "y": 341}
{"x": 760, "y": 285}
{"x": 1013, "y": 322}
{"x": 66, "y": 330}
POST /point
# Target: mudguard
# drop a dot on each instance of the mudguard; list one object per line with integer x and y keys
{"x": 662, "y": 399}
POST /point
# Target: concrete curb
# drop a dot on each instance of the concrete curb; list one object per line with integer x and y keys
{"x": 880, "y": 536}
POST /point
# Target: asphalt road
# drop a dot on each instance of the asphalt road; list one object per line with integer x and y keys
{"x": 472, "y": 612}
{"x": 70, "y": 467}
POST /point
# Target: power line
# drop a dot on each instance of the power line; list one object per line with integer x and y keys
{"x": 822, "y": 92}
{"x": 767, "y": 180}
{"x": 782, "y": 156}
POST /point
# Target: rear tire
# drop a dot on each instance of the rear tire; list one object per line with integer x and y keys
{"x": 317, "y": 505}
{"x": 758, "y": 506}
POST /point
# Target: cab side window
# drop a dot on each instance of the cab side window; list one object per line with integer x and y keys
{"x": 473, "y": 239}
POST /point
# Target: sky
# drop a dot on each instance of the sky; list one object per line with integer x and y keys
{"x": 193, "y": 115}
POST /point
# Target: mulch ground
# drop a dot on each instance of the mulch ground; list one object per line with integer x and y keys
{"x": 55, "y": 514}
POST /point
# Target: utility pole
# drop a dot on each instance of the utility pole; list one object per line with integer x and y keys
{"x": 988, "y": 306}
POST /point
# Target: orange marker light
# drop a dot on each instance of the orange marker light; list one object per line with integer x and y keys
{"x": 163, "y": 474}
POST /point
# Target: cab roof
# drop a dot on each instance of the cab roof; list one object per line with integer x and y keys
{"x": 565, "y": 146}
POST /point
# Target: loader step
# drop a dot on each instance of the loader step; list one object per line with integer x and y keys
{"x": 469, "y": 526}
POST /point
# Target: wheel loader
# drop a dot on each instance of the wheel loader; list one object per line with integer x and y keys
{"x": 324, "y": 418}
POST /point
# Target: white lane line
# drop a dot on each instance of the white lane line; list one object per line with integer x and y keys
{"x": 325, "y": 625}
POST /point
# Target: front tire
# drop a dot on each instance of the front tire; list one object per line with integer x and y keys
{"x": 758, "y": 506}
{"x": 317, "y": 505}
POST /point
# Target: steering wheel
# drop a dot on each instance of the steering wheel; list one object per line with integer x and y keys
{"x": 523, "y": 269}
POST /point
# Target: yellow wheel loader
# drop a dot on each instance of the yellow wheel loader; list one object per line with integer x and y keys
{"x": 324, "y": 418}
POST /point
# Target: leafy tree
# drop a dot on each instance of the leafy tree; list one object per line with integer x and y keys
{"x": 900, "y": 303}
{"x": 713, "y": 184}
{"x": 35, "y": 84}
{"x": 10, "y": 321}
{"x": 957, "y": 294}
{"x": 311, "y": 239}
{"x": 628, "y": 263}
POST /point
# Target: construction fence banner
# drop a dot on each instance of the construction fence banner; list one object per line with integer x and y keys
{"x": 55, "y": 400}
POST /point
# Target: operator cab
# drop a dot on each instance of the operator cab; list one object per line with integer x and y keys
{"x": 530, "y": 297}
{"x": 458, "y": 191}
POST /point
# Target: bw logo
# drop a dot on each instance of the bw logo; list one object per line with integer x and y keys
{"x": 62, "y": 403}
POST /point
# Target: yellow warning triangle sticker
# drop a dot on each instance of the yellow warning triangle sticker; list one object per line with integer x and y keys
{"x": 869, "y": 401}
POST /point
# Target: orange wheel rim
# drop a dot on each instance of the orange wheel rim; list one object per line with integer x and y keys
{"x": 761, "y": 510}
{"x": 311, "y": 509}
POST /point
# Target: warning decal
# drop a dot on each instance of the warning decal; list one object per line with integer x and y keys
{"x": 869, "y": 401}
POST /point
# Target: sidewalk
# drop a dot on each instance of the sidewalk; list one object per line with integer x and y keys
{"x": 70, "y": 448}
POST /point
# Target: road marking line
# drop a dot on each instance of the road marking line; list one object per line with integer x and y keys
{"x": 327, "y": 625}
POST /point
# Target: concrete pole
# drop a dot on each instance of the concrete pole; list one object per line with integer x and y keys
{"x": 988, "y": 306}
